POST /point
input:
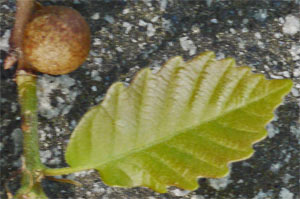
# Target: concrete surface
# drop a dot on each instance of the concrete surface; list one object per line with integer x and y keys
{"x": 129, "y": 35}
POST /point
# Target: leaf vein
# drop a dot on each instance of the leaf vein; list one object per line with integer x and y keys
{"x": 192, "y": 155}
{"x": 217, "y": 142}
{"x": 160, "y": 160}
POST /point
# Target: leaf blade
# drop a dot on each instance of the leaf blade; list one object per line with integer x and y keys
{"x": 190, "y": 119}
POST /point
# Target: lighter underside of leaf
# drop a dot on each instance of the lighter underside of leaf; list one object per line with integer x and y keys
{"x": 187, "y": 121}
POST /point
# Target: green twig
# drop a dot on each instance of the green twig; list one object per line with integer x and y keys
{"x": 32, "y": 168}
{"x": 28, "y": 100}
{"x": 33, "y": 171}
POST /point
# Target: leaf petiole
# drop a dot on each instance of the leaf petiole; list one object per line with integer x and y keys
{"x": 62, "y": 171}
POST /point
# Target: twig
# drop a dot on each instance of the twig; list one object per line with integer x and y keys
{"x": 23, "y": 14}
{"x": 32, "y": 167}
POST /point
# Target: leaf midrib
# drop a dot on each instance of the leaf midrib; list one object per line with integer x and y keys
{"x": 138, "y": 149}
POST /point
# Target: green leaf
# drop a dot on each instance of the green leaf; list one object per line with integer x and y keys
{"x": 189, "y": 120}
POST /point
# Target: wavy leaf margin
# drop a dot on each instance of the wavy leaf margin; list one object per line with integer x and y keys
{"x": 189, "y": 120}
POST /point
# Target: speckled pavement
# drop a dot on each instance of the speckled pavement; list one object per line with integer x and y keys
{"x": 130, "y": 35}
